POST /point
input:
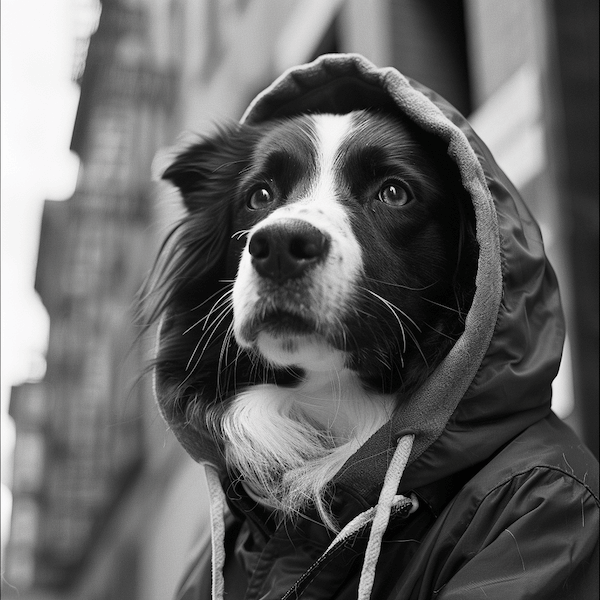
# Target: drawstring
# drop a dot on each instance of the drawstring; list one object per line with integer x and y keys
{"x": 382, "y": 514}
{"x": 217, "y": 529}
{"x": 379, "y": 515}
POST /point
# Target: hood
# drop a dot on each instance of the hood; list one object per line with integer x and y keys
{"x": 496, "y": 380}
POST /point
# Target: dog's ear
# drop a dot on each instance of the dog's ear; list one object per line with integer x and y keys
{"x": 188, "y": 172}
{"x": 190, "y": 259}
{"x": 210, "y": 167}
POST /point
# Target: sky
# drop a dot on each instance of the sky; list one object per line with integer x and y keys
{"x": 38, "y": 104}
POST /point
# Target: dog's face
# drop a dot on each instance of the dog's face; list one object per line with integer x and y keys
{"x": 350, "y": 233}
{"x": 315, "y": 244}
{"x": 300, "y": 270}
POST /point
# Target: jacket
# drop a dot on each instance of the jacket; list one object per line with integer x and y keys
{"x": 507, "y": 494}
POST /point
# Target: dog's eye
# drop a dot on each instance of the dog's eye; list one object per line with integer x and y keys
{"x": 394, "y": 193}
{"x": 260, "y": 198}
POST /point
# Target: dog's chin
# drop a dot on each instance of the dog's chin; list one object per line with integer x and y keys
{"x": 310, "y": 352}
{"x": 285, "y": 346}
{"x": 289, "y": 339}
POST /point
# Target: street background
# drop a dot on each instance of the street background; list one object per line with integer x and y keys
{"x": 98, "y": 500}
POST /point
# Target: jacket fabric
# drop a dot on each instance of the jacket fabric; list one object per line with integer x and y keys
{"x": 508, "y": 495}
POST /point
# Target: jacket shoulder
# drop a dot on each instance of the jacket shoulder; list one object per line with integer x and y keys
{"x": 548, "y": 449}
{"x": 526, "y": 526}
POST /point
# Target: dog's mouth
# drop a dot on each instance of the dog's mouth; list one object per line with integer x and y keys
{"x": 290, "y": 336}
{"x": 279, "y": 323}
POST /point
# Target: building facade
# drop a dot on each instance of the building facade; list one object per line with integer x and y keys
{"x": 106, "y": 505}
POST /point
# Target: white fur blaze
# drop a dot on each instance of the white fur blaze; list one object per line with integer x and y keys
{"x": 328, "y": 288}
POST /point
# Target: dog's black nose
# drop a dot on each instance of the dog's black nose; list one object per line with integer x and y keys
{"x": 285, "y": 250}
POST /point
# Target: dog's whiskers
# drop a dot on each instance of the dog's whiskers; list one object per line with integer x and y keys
{"x": 240, "y": 234}
{"x": 444, "y": 306}
{"x": 418, "y": 346}
{"x": 404, "y": 330}
{"x": 394, "y": 310}
{"x": 225, "y": 306}
{"x": 401, "y": 286}
{"x": 223, "y": 300}
{"x": 393, "y": 307}
{"x": 209, "y": 334}
{"x": 453, "y": 339}
{"x": 226, "y": 281}
{"x": 223, "y": 356}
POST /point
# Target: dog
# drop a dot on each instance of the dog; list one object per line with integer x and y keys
{"x": 323, "y": 269}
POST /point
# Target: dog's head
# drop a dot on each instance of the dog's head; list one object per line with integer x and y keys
{"x": 315, "y": 243}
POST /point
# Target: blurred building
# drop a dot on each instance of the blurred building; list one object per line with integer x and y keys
{"x": 106, "y": 504}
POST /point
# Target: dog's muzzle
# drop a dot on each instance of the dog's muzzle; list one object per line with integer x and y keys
{"x": 287, "y": 249}
{"x": 296, "y": 277}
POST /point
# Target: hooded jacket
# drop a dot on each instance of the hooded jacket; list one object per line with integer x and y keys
{"x": 507, "y": 494}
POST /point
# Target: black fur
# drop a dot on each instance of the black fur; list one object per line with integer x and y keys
{"x": 421, "y": 260}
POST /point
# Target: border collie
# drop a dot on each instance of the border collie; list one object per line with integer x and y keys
{"x": 323, "y": 269}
